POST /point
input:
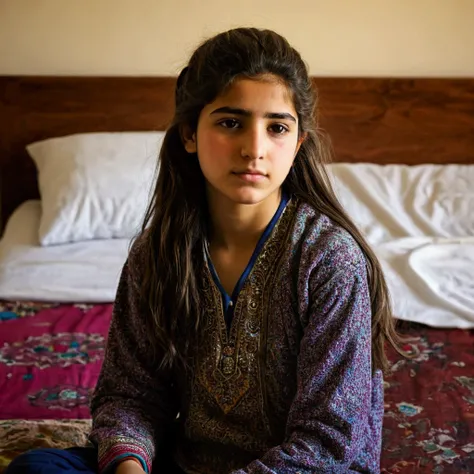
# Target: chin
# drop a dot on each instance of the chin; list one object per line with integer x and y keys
{"x": 244, "y": 195}
{"x": 248, "y": 196}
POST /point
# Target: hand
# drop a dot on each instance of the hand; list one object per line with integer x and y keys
{"x": 129, "y": 467}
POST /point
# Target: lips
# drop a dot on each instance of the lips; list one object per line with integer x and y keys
{"x": 250, "y": 176}
{"x": 251, "y": 172}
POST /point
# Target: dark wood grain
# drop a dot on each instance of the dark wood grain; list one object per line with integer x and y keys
{"x": 399, "y": 120}
{"x": 385, "y": 121}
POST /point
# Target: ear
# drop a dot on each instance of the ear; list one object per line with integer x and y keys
{"x": 188, "y": 137}
{"x": 300, "y": 142}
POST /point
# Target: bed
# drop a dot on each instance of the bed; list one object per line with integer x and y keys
{"x": 404, "y": 169}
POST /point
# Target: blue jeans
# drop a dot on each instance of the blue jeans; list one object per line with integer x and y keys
{"x": 55, "y": 461}
{"x": 60, "y": 461}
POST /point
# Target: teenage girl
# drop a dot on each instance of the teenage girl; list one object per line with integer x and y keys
{"x": 249, "y": 326}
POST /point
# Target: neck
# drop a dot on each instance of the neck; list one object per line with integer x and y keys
{"x": 237, "y": 227}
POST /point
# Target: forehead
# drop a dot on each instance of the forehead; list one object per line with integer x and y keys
{"x": 261, "y": 95}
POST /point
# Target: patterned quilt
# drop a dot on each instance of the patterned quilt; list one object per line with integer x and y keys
{"x": 50, "y": 357}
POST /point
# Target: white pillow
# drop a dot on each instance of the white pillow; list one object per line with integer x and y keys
{"x": 94, "y": 185}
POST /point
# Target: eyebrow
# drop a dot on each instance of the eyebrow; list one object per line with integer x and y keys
{"x": 248, "y": 113}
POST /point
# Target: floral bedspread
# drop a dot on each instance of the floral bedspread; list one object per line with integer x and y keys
{"x": 50, "y": 357}
{"x": 429, "y": 404}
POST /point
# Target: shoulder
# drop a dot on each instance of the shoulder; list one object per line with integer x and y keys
{"x": 325, "y": 246}
{"x": 331, "y": 267}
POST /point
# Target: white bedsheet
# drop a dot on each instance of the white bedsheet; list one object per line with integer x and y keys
{"x": 397, "y": 201}
{"x": 420, "y": 222}
{"x": 431, "y": 280}
{"x": 79, "y": 272}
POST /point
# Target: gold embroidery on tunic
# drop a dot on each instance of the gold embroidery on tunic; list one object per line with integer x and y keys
{"x": 227, "y": 396}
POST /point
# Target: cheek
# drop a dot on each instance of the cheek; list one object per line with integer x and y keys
{"x": 213, "y": 146}
{"x": 284, "y": 151}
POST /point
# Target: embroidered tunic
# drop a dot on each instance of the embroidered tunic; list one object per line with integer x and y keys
{"x": 282, "y": 382}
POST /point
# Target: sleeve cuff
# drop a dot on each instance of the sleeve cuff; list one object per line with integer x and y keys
{"x": 109, "y": 461}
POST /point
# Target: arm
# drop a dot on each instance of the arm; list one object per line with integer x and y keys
{"x": 327, "y": 422}
{"x": 133, "y": 402}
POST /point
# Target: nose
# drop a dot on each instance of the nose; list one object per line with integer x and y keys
{"x": 254, "y": 143}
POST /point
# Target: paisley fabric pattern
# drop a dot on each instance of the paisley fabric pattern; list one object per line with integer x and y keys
{"x": 61, "y": 397}
{"x": 49, "y": 350}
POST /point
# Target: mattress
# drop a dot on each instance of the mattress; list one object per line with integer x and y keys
{"x": 81, "y": 271}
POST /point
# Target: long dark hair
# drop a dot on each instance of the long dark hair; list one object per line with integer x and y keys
{"x": 176, "y": 221}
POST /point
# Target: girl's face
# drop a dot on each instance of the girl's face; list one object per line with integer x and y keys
{"x": 246, "y": 141}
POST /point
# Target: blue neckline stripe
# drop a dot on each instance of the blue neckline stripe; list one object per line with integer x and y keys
{"x": 226, "y": 299}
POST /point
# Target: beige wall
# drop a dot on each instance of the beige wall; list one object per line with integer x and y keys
{"x": 154, "y": 37}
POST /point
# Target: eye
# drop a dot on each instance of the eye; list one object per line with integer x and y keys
{"x": 279, "y": 129}
{"x": 230, "y": 123}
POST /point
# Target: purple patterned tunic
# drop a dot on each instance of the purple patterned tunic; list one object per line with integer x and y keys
{"x": 286, "y": 387}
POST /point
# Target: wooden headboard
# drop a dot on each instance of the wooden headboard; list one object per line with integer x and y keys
{"x": 369, "y": 120}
